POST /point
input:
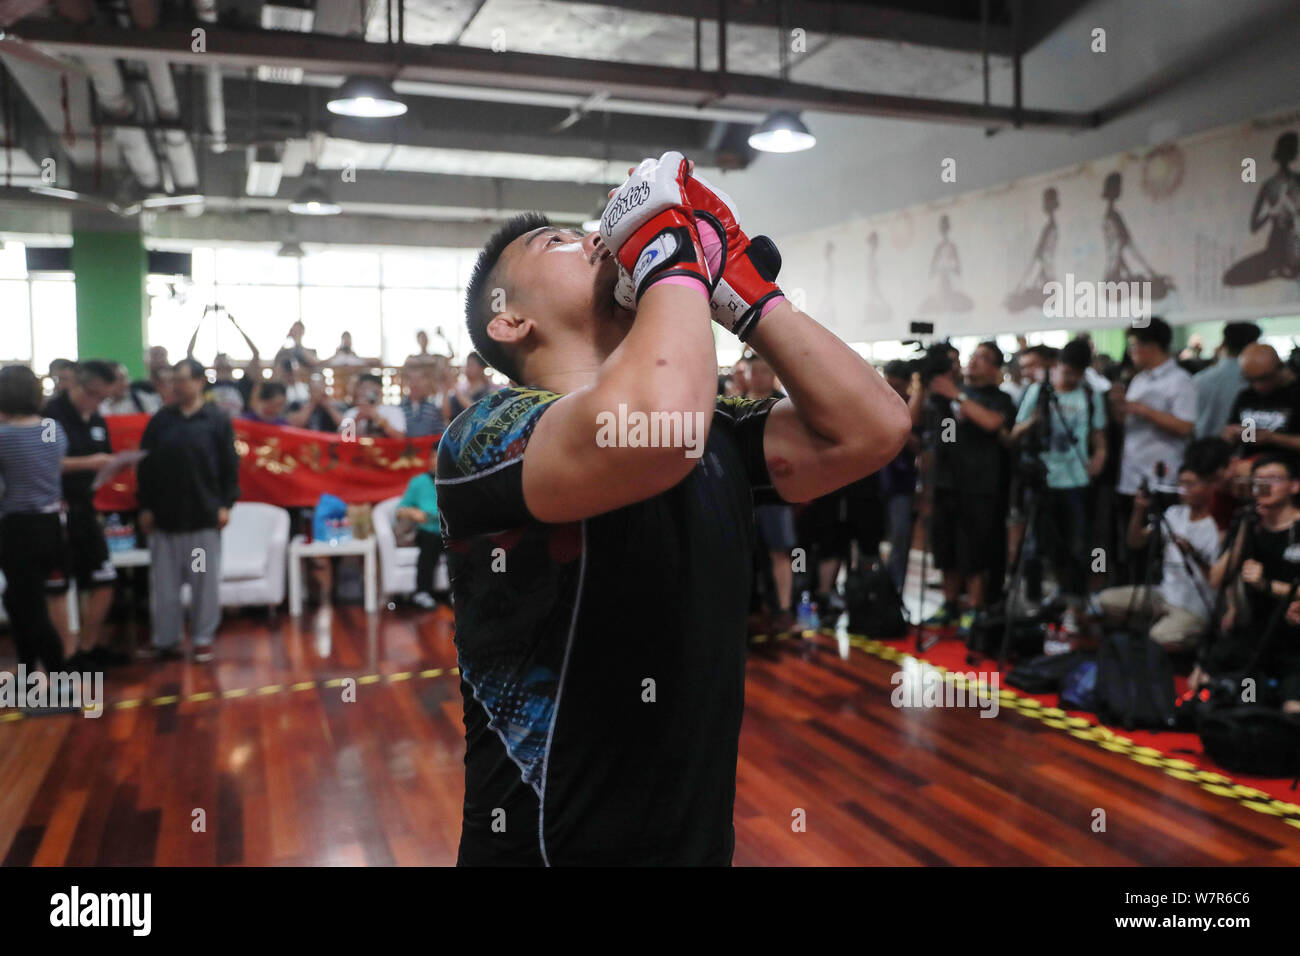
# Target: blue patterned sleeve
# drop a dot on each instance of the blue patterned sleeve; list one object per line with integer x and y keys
{"x": 480, "y": 459}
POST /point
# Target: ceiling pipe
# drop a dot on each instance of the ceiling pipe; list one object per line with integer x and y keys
{"x": 132, "y": 142}
{"x": 206, "y": 10}
{"x": 180, "y": 152}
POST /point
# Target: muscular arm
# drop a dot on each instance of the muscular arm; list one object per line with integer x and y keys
{"x": 666, "y": 364}
{"x": 841, "y": 422}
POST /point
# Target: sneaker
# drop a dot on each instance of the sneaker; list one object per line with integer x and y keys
{"x": 202, "y": 653}
{"x": 424, "y": 600}
{"x": 965, "y": 623}
{"x": 946, "y": 614}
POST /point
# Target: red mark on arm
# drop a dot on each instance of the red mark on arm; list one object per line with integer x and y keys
{"x": 780, "y": 468}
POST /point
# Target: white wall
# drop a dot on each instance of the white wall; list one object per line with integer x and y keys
{"x": 1242, "y": 54}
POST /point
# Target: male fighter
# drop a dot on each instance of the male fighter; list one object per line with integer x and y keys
{"x": 601, "y": 586}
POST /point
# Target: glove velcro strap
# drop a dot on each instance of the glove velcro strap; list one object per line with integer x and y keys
{"x": 667, "y": 247}
{"x": 734, "y": 312}
{"x": 745, "y": 286}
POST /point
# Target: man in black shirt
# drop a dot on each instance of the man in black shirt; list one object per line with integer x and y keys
{"x": 89, "y": 449}
{"x": 971, "y": 481}
{"x": 1265, "y": 418}
{"x": 1260, "y": 565}
{"x": 188, "y": 482}
{"x": 600, "y": 578}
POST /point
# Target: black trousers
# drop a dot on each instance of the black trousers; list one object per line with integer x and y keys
{"x": 31, "y": 550}
{"x": 430, "y": 546}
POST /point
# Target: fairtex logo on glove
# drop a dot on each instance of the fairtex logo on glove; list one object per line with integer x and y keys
{"x": 663, "y": 247}
{"x": 624, "y": 203}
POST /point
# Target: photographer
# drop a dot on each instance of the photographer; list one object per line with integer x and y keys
{"x": 1061, "y": 426}
{"x": 1258, "y": 569}
{"x": 1181, "y": 606}
{"x": 963, "y": 426}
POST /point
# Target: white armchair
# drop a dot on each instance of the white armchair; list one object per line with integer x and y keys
{"x": 397, "y": 565}
{"x": 254, "y": 547}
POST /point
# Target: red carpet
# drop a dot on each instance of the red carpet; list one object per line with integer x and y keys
{"x": 951, "y": 654}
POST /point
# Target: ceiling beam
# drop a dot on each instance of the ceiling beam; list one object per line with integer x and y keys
{"x": 285, "y": 111}
{"x": 863, "y": 21}
{"x": 448, "y": 64}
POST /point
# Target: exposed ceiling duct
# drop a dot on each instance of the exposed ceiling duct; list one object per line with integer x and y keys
{"x": 132, "y": 141}
{"x": 206, "y": 10}
{"x": 180, "y": 152}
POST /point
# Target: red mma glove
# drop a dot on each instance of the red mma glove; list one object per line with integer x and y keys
{"x": 744, "y": 269}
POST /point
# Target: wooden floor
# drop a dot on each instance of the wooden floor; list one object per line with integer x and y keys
{"x": 289, "y": 774}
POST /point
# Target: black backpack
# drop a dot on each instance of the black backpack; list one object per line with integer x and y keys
{"x": 875, "y": 609}
{"x": 1255, "y": 740}
{"x": 1044, "y": 674}
{"x": 1027, "y": 634}
{"x": 1135, "y": 683}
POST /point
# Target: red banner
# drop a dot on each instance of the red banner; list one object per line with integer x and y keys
{"x": 291, "y": 467}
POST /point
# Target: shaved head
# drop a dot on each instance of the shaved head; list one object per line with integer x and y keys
{"x": 1261, "y": 367}
{"x": 1258, "y": 359}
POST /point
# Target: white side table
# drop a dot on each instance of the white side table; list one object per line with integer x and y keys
{"x": 300, "y": 548}
{"x": 133, "y": 558}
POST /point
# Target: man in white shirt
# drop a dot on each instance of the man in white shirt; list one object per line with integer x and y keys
{"x": 1159, "y": 411}
{"x": 1180, "y": 606}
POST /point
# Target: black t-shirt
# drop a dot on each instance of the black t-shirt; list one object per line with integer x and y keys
{"x": 1278, "y": 411}
{"x": 1279, "y": 553}
{"x": 559, "y": 633}
{"x": 86, "y": 436}
{"x": 975, "y": 461}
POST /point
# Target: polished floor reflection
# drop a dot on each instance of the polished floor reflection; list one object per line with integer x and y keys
{"x": 272, "y": 756}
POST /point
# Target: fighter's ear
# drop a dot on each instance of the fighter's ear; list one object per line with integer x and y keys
{"x": 509, "y": 328}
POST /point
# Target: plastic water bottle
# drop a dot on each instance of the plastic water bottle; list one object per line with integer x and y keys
{"x": 806, "y": 616}
{"x": 113, "y": 533}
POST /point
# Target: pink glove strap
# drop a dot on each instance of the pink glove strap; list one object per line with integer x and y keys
{"x": 771, "y": 304}
{"x": 691, "y": 282}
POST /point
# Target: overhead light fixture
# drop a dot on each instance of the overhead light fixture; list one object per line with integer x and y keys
{"x": 313, "y": 200}
{"x": 366, "y": 97}
{"x": 781, "y": 132}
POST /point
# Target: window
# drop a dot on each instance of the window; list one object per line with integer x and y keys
{"x": 383, "y": 297}
{"x": 38, "y": 313}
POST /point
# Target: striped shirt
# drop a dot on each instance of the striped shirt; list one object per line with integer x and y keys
{"x": 31, "y": 466}
{"x": 424, "y": 418}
